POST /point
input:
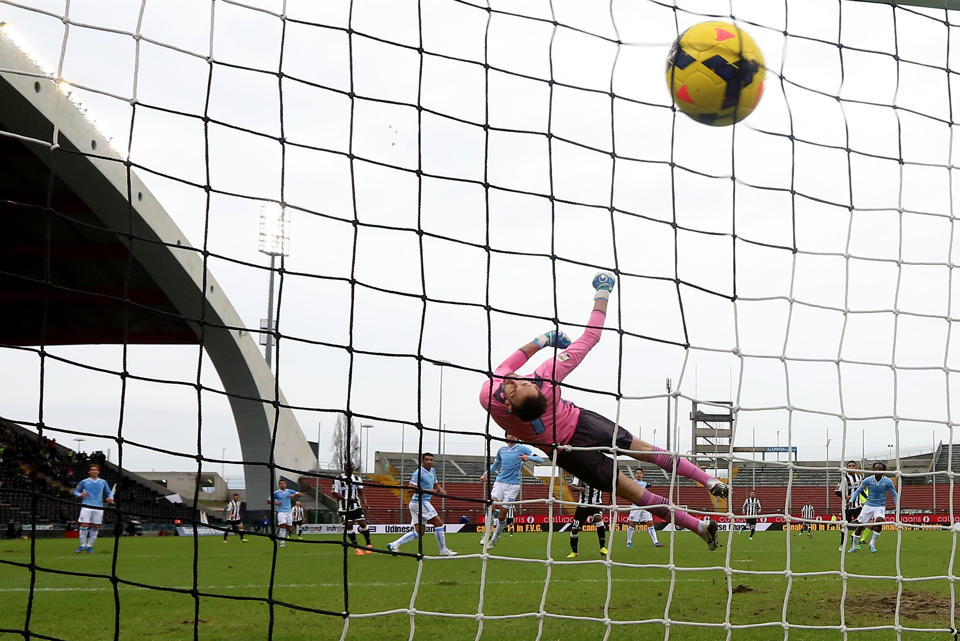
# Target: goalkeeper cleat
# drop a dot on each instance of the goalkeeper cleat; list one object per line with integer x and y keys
{"x": 572, "y": 555}
{"x": 447, "y": 552}
{"x": 604, "y": 551}
{"x": 358, "y": 552}
{"x": 719, "y": 489}
{"x": 369, "y": 549}
{"x": 710, "y": 534}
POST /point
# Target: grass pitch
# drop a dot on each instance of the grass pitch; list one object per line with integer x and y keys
{"x": 234, "y": 582}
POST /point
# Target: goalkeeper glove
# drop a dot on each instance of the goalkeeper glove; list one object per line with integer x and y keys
{"x": 603, "y": 282}
{"x": 553, "y": 338}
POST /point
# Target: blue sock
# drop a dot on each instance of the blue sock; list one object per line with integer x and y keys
{"x": 406, "y": 538}
{"x": 440, "y": 533}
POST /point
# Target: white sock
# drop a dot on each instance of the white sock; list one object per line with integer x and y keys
{"x": 873, "y": 541}
{"x": 629, "y": 534}
{"x": 652, "y": 531}
{"x": 92, "y": 536}
{"x": 282, "y": 533}
{"x": 83, "y": 536}
{"x": 406, "y": 538}
{"x": 501, "y": 526}
{"x": 440, "y": 533}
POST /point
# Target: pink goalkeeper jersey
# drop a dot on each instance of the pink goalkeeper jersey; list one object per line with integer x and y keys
{"x": 560, "y": 413}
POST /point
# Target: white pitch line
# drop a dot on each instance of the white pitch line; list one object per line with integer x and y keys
{"x": 331, "y": 584}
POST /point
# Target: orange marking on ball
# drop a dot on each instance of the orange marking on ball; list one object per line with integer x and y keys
{"x": 759, "y": 93}
{"x": 723, "y": 34}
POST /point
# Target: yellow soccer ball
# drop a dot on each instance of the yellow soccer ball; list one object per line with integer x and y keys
{"x": 715, "y": 73}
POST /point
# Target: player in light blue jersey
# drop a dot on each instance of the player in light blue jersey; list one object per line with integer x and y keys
{"x": 639, "y": 516}
{"x": 93, "y": 492}
{"x": 877, "y": 488}
{"x": 281, "y": 499}
{"x": 509, "y": 469}
{"x": 424, "y": 483}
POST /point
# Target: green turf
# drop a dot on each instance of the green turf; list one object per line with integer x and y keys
{"x": 309, "y": 575}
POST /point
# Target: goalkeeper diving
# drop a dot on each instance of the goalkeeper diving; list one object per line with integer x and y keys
{"x": 531, "y": 408}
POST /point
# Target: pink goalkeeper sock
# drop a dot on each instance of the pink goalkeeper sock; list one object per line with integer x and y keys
{"x": 684, "y": 467}
{"x": 658, "y": 505}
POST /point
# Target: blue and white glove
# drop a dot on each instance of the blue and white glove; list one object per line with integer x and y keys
{"x": 552, "y": 338}
{"x": 603, "y": 282}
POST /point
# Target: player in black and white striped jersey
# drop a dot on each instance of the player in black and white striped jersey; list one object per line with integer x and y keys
{"x": 589, "y": 511}
{"x": 849, "y": 482}
{"x": 234, "y": 523}
{"x": 807, "y": 512}
{"x": 751, "y": 508}
{"x": 296, "y": 514}
{"x": 348, "y": 490}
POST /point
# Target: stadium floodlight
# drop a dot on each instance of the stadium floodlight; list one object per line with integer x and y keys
{"x": 274, "y": 241}
{"x": 403, "y": 456}
{"x": 933, "y": 466}
{"x": 441, "y": 440}
{"x": 669, "y": 385}
{"x": 826, "y": 462}
{"x": 366, "y": 444}
{"x": 274, "y": 230}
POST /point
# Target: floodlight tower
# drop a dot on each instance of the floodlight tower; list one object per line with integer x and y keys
{"x": 274, "y": 241}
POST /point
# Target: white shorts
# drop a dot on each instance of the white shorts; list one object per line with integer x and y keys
{"x": 284, "y": 518}
{"x": 415, "y": 512}
{"x": 639, "y": 516}
{"x": 868, "y": 513}
{"x": 91, "y": 515}
{"x": 504, "y": 492}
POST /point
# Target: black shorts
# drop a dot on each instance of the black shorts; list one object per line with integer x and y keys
{"x": 300, "y": 522}
{"x": 587, "y": 514}
{"x": 594, "y": 467}
{"x": 355, "y": 514}
{"x": 236, "y": 523}
{"x": 851, "y": 513}
{"x": 751, "y": 521}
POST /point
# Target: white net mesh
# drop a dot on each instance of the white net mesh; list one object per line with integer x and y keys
{"x": 455, "y": 172}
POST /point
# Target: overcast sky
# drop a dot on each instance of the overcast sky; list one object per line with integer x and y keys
{"x": 857, "y": 323}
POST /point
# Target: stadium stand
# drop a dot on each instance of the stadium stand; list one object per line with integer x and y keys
{"x": 38, "y": 475}
{"x": 466, "y": 493}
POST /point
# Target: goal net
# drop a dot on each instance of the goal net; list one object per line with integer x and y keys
{"x": 447, "y": 177}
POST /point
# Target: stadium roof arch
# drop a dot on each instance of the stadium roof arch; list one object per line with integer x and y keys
{"x": 90, "y": 256}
